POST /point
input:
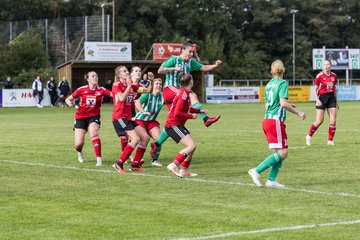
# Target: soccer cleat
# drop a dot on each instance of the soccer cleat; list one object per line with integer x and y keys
{"x": 81, "y": 158}
{"x": 156, "y": 163}
{"x": 98, "y": 162}
{"x": 273, "y": 184}
{"x": 330, "y": 143}
{"x": 211, "y": 120}
{"x": 173, "y": 168}
{"x": 308, "y": 140}
{"x": 153, "y": 149}
{"x": 136, "y": 168}
{"x": 186, "y": 173}
{"x": 255, "y": 177}
{"x": 119, "y": 168}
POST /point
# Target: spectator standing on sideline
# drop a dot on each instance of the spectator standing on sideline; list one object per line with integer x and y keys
{"x": 146, "y": 79}
{"x": 64, "y": 90}
{"x": 38, "y": 90}
{"x": 8, "y": 84}
{"x": 325, "y": 95}
{"x": 87, "y": 116}
{"x": 276, "y": 102}
{"x": 52, "y": 88}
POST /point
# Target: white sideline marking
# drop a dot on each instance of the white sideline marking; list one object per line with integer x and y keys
{"x": 341, "y": 194}
{"x": 299, "y": 227}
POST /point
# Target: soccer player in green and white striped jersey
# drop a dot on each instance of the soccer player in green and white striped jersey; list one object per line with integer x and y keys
{"x": 149, "y": 106}
{"x": 174, "y": 67}
{"x": 276, "y": 101}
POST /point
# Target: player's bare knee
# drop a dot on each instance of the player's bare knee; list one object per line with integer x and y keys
{"x": 134, "y": 140}
{"x": 192, "y": 147}
{"x": 145, "y": 139}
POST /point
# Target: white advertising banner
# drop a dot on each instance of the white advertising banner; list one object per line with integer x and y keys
{"x": 232, "y": 94}
{"x": 108, "y": 51}
{"x": 22, "y": 98}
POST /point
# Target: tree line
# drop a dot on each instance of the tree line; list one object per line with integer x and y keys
{"x": 246, "y": 34}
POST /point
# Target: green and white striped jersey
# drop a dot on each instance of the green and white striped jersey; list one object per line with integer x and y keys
{"x": 172, "y": 78}
{"x": 152, "y": 104}
{"x": 276, "y": 89}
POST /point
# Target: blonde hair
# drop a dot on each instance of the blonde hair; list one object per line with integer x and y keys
{"x": 153, "y": 82}
{"x": 117, "y": 70}
{"x": 277, "y": 68}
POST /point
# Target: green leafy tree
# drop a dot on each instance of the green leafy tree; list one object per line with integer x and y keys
{"x": 26, "y": 52}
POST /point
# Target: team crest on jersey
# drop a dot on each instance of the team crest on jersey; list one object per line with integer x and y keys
{"x": 333, "y": 79}
{"x": 97, "y": 93}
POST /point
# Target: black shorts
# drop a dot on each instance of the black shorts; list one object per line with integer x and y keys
{"x": 177, "y": 132}
{"x": 84, "y": 123}
{"x": 123, "y": 125}
{"x": 327, "y": 100}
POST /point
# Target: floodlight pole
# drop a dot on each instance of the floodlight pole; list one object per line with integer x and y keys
{"x": 293, "y": 12}
{"x": 103, "y": 18}
{"x": 113, "y": 20}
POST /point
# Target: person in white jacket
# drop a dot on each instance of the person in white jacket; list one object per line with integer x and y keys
{"x": 38, "y": 90}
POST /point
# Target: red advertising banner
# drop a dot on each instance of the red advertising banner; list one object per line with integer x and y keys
{"x": 162, "y": 51}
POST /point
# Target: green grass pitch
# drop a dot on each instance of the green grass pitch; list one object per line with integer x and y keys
{"x": 46, "y": 194}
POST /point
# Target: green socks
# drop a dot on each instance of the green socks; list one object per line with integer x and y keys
{"x": 157, "y": 154}
{"x": 162, "y": 138}
{"x": 199, "y": 106}
{"x": 274, "y": 170}
{"x": 270, "y": 161}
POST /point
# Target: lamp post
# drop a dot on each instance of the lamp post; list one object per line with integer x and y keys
{"x": 103, "y": 18}
{"x": 293, "y": 12}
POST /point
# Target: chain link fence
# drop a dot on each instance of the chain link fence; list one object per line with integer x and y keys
{"x": 63, "y": 37}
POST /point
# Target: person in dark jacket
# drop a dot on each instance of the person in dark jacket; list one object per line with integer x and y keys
{"x": 64, "y": 91}
{"x": 52, "y": 88}
{"x": 8, "y": 84}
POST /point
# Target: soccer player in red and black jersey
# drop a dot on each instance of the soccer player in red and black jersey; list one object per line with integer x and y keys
{"x": 135, "y": 75}
{"x": 87, "y": 116}
{"x": 179, "y": 113}
{"x": 325, "y": 95}
{"x": 124, "y": 94}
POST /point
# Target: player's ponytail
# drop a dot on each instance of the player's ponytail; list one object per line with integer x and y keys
{"x": 277, "y": 68}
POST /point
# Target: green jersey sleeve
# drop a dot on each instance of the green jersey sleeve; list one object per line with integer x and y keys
{"x": 284, "y": 90}
{"x": 144, "y": 97}
{"x": 170, "y": 62}
{"x": 195, "y": 65}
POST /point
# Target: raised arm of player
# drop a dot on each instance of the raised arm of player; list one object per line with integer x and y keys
{"x": 207, "y": 68}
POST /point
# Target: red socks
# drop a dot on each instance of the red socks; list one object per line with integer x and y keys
{"x": 312, "y": 130}
{"x": 180, "y": 157}
{"x": 97, "y": 145}
{"x": 332, "y": 129}
{"x": 140, "y": 150}
{"x": 126, "y": 154}
{"x": 123, "y": 142}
